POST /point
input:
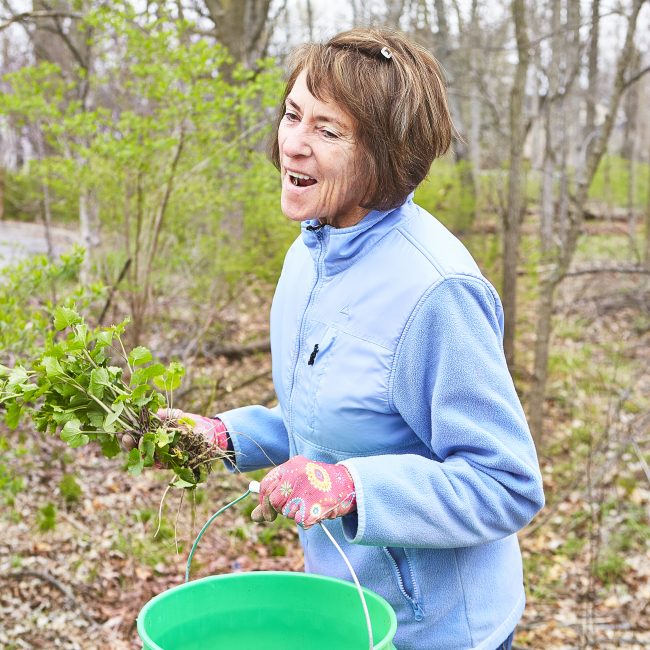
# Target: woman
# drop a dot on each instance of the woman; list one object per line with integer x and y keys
{"x": 397, "y": 416}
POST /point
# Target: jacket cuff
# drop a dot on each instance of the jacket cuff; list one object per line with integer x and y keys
{"x": 354, "y": 524}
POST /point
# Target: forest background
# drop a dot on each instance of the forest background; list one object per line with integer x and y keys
{"x": 137, "y": 130}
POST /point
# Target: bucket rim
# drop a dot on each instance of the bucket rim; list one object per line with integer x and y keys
{"x": 292, "y": 575}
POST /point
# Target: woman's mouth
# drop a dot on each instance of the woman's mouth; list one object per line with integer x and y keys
{"x": 301, "y": 180}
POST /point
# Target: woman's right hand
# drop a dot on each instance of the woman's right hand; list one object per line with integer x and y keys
{"x": 213, "y": 429}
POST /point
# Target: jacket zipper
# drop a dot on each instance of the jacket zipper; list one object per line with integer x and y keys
{"x": 417, "y": 610}
{"x": 319, "y": 236}
{"x": 312, "y": 356}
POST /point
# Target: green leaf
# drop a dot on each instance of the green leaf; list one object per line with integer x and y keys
{"x": 4, "y": 371}
{"x": 148, "y": 448}
{"x": 112, "y": 417}
{"x": 71, "y": 434}
{"x": 139, "y": 355}
{"x": 64, "y": 317}
{"x": 52, "y": 367}
{"x": 17, "y": 377}
{"x": 104, "y": 338}
{"x": 98, "y": 381}
{"x": 12, "y": 416}
{"x": 81, "y": 333}
{"x": 96, "y": 418}
{"x": 186, "y": 475}
{"x": 180, "y": 483}
{"x": 142, "y": 375}
{"x": 134, "y": 462}
{"x": 172, "y": 377}
{"x": 163, "y": 437}
{"x": 110, "y": 446}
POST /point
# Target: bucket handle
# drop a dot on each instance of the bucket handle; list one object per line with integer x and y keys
{"x": 356, "y": 582}
{"x": 254, "y": 488}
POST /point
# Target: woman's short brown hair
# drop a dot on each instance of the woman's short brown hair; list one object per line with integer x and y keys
{"x": 394, "y": 90}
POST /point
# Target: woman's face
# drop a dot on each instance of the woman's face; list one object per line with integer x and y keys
{"x": 320, "y": 161}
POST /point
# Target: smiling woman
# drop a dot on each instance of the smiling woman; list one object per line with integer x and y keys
{"x": 321, "y": 164}
{"x": 397, "y": 417}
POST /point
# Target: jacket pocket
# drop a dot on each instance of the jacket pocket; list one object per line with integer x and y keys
{"x": 403, "y": 570}
{"x": 316, "y": 367}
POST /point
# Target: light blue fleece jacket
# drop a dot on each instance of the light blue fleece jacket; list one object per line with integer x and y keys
{"x": 409, "y": 389}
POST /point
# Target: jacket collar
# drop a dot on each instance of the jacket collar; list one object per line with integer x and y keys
{"x": 342, "y": 246}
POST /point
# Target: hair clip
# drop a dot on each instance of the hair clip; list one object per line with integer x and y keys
{"x": 386, "y": 52}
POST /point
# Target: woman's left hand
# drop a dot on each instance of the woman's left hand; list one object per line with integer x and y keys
{"x": 306, "y": 491}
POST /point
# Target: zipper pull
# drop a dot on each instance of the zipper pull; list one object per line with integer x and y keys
{"x": 312, "y": 356}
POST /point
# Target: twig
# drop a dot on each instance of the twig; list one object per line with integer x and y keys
{"x": 239, "y": 351}
{"x": 111, "y": 293}
{"x": 642, "y": 460}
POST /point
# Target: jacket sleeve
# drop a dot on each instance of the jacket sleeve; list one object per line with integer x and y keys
{"x": 258, "y": 437}
{"x": 451, "y": 385}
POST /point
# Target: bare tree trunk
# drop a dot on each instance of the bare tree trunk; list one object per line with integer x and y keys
{"x": 2, "y": 192}
{"x": 475, "y": 110}
{"x": 310, "y": 21}
{"x": 47, "y": 202}
{"x": 631, "y": 105}
{"x": 394, "y": 10}
{"x": 515, "y": 208}
{"x": 592, "y": 74}
{"x": 89, "y": 230}
{"x": 242, "y": 26}
{"x": 547, "y": 197}
{"x": 647, "y": 223}
{"x": 558, "y": 269}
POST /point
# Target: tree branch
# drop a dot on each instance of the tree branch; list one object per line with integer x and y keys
{"x": 590, "y": 270}
{"x": 635, "y": 77}
{"x": 27, "y": 16}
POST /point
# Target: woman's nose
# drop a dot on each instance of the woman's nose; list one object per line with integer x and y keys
{"x": 296, "y": 143}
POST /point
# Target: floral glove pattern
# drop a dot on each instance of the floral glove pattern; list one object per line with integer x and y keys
{"x": 213, "y": 429}
{"x": 306, "y": 491}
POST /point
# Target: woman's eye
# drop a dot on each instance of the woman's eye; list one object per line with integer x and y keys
{"x": 290, "y": 116}
{"x": 330, "y": 134}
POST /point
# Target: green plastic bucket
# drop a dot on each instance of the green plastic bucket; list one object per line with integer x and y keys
{"x": 273, "y": 610}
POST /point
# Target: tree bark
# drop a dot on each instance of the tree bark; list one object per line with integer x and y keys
{"x": 631, "y": 109}
{"x": 547, "y": 189}
{"x": 592, "y": 74}
{"x": 475, "y": 108}
{"x": 647, "y": 222}
{"x": 2, "y": 192}
{"x": 242, "y": 26}
{"x": 515, "y": 207}
{"x": 89, "y": 230}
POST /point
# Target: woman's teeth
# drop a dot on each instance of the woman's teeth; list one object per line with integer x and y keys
{"x": 301, "y": 180}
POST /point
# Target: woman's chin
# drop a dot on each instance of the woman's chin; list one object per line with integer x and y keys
{"x": 294, "y": 213}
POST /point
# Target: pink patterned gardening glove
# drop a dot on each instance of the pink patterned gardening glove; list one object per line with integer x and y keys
{"x": 306, "y": 491}
{"x": 213, "y": 429}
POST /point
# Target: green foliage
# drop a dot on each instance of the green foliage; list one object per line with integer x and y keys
{"x": 610, "y": 568}
{"x": 74, "y": 388}
{"x": 147, "y": 549}
{"x": 612, "y": 180}
{"x": 446, "y": 193}
{"x": 173, "y": 158}
{"x": 46, "y": 517}
{"x": 70, "y": 489}
{"x": 26, "y": 293}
